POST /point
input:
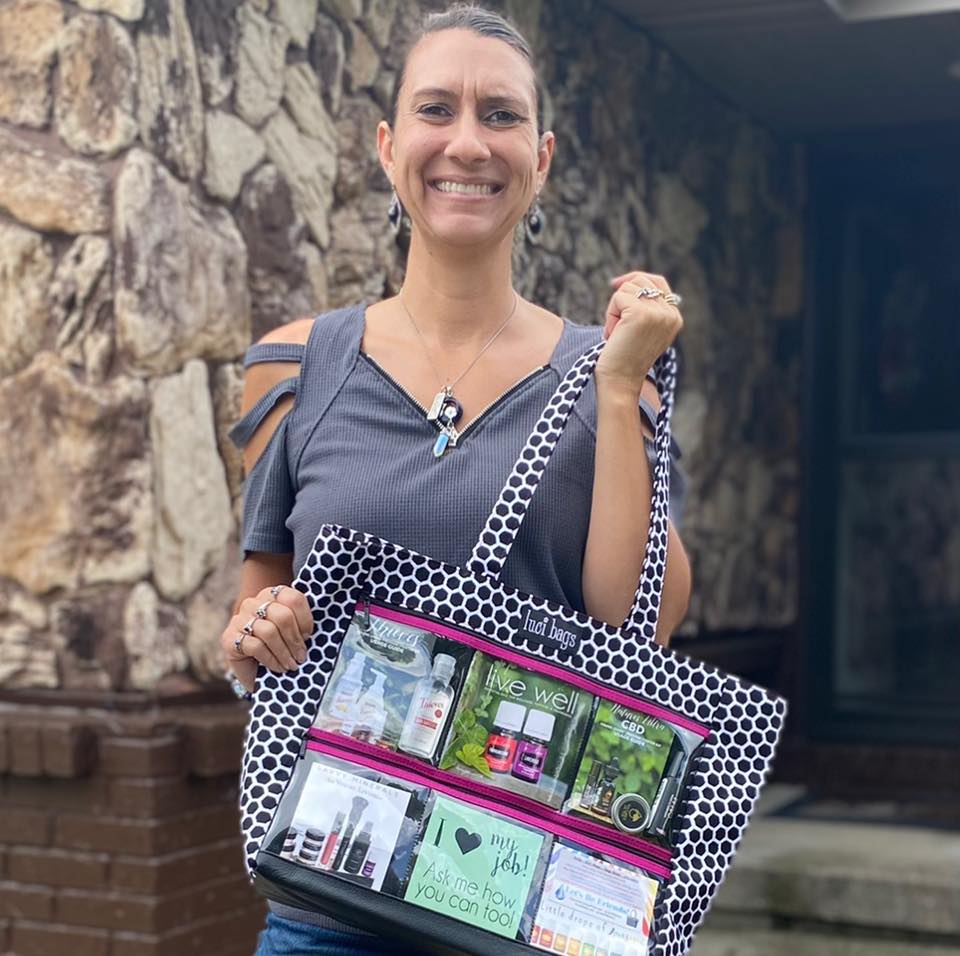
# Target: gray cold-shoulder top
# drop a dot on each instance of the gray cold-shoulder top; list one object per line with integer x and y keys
{"x": 356, "y": 450}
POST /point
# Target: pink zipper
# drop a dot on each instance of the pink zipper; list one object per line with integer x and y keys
{"x": 497, "y": 807}
{"x": 522, "y": 804}
{"x": 541, "y": 667}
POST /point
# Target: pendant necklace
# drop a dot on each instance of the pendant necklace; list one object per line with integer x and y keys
{"x": 445, "y": 411}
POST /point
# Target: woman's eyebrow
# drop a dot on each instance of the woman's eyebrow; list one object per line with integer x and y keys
{"x": 491, "y": 99}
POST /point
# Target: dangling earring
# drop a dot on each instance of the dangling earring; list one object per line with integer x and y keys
{"x": 395, "y": 213}
{"x": 533, "y": 222}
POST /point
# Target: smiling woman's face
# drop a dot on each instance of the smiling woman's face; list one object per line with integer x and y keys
{"x": 464, "y": 156}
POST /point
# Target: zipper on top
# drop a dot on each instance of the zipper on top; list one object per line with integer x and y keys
{"x": 486, "y": 646}
{"x": 526, "y": 805}
{"x": 476, "y": 418}
{"x": 555, "y": 829}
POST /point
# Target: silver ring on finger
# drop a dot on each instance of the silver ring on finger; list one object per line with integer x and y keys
{"x": 276, "y": 589}
{"x": 672, "y": 298}
{"x": 238, "y": 643}
{"x": 248, "y": 627}
{"x": 648, "y": 292}
{"x": 261, "y": 611}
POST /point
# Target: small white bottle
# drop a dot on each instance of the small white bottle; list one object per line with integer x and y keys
{"x": 429, "y": 709}
{"x": 346, "y": 690}
{"x": 370, "y": 714}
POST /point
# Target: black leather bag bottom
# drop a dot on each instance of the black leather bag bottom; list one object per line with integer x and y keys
{"x": 395, "y": 920}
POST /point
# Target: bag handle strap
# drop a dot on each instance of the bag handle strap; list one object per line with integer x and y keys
{"x": 501, "y": 528}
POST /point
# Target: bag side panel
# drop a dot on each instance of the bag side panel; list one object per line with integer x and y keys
{"x": 284, "y": 705}
{"x": 722, "y": 795}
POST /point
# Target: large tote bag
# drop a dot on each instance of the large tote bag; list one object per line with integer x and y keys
{"x": 466, "y": 768}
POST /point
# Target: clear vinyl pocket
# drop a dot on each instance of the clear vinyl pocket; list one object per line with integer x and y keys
{"x": 519, "y": 730}
{"x": 397, "y": 833}
{"x": 456, "y": 775}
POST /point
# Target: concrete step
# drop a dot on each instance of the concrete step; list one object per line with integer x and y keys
{"x": 729, "y": 942}
{"x": 882, "y": 878}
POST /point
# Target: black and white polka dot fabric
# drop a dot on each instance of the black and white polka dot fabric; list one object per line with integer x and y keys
{"x": 345, "y": 565}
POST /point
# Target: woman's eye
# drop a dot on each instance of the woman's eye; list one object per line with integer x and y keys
{"x": 503, "y": 116}
{"x": 433, "y": 109}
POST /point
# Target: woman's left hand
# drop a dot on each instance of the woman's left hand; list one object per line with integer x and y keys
{"x": 638, "y": 331}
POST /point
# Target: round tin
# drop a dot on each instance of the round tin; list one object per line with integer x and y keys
{"x": 630, "y": 813}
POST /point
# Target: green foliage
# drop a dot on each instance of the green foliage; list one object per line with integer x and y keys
{"x": 467, "y": 744}
{"x": 472, "y": 756}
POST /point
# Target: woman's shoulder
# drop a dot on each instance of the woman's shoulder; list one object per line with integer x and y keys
{"x": 275, "y": 365}
{"x": 574, "y": 341}
{"x": 295, "y": 332}
{"x": 299, "y": 331}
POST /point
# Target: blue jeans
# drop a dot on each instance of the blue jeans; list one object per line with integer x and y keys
{"x": 287, "y": 937}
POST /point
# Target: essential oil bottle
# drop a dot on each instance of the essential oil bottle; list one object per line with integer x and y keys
{"x": 429, "y": 709}
{"x": 591, "y": 789}
{"x": 533, "y": 749}
{"x": 501, "y": 748}
{"x": 608, "y": 786}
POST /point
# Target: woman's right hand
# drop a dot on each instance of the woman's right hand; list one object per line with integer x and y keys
{"x": 276, "y": 635}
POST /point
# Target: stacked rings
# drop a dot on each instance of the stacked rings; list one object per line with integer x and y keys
{"x": 247, "y": 629}
{"x": 650, "y": 292}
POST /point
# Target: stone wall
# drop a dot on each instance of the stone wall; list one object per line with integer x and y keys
{"x": 178, "y": 177}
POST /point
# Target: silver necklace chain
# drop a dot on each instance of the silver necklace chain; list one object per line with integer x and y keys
{"x": 449, "y": 387}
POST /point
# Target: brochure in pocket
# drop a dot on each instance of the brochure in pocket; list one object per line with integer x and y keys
{"x": 593, "y": 907}
{"x": 631, "y": 771}
{"x": 475, "y": 867}
{"x": 346, "y": 825}
{"x": 393, "y": 686}
{"x": 517, "y": 729}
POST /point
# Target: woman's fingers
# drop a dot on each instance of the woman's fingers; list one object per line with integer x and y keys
{"x": 264, "y": 642}
{"x": 277, "y": 622}
{"x": 285, "y": 622}
{"x": 266, "y": 646}
{"x": 290, "y": 597}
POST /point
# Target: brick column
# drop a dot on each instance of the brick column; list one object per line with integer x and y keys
{"x": 119, "y": 831}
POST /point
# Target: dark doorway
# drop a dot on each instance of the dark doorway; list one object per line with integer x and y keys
{"x": 882, "y": 548}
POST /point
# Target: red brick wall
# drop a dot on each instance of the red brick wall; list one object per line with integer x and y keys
{"x": 119, "y": 833}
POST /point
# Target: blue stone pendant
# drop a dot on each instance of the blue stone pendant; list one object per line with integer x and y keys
{"x": 440, "y": 445}
{"x": 444, "y": 412}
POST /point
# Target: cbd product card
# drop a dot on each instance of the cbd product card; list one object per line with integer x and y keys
{"x": 627, "y": 752}
{"x": 517, "y": 729}
{"x": 356, "y": 821}
{"x": 474, "y": 866}
{"x": 600, "y": 908}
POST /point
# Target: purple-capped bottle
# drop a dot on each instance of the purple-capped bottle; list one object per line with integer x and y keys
{"x": 533, "y": 748}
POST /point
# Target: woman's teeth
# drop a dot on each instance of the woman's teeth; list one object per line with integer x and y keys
{"x": 448, "y": 187}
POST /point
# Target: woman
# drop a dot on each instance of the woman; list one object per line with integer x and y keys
{"x": 403, "y": 417}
